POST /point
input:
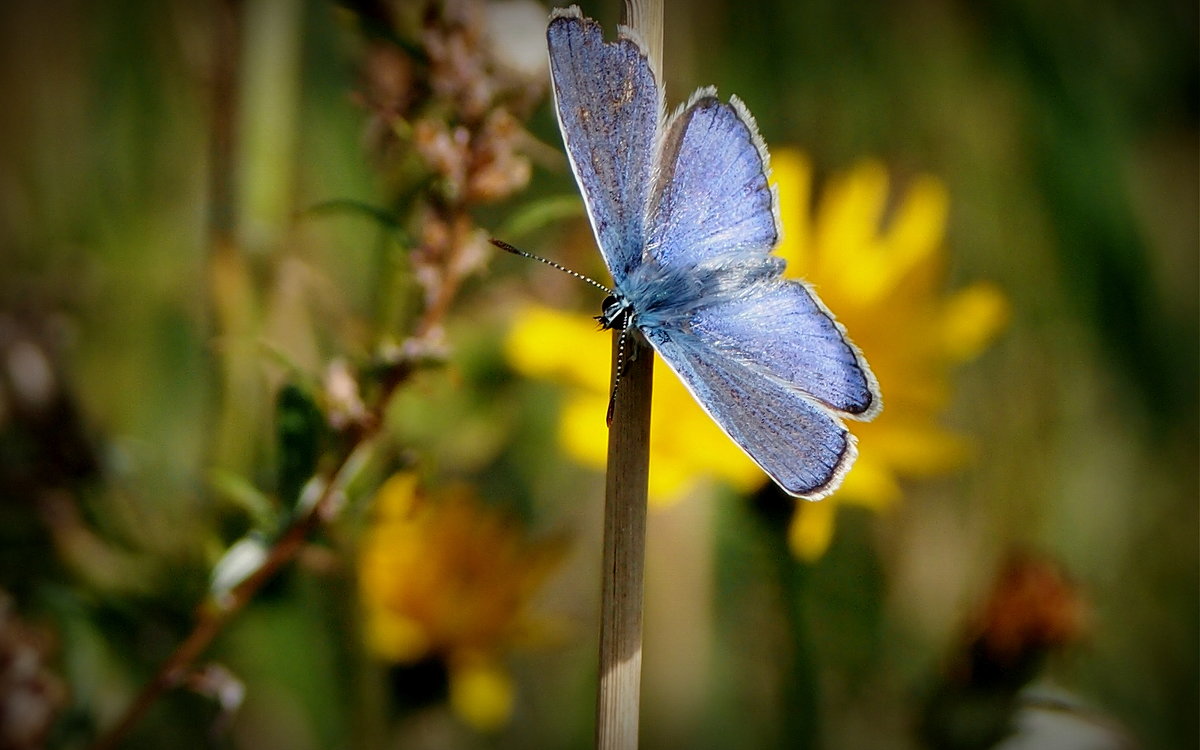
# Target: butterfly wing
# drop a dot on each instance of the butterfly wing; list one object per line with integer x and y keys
{"x": 796, "y": 441}
{"x": 608, "y": 104}
{"x": 714, "y": 211}
{"x": 780, "y": 328}
{"x": 712, "y": 197}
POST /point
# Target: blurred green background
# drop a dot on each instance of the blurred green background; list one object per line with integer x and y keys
{"x": 161, "y": 285}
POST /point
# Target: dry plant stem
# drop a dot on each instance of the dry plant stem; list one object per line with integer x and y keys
{"x": 624, "y": 551}
{"x": 226, "y": 39}
{"x": 626, "y": 481}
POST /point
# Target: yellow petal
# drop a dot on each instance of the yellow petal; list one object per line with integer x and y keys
{"x": 669, "y": 481}
{"x": 582, "y": 431}
{"x": 397, "y": 495}
{"x": 482, "y": 693}
{"x": 791, "y": 171}
{"x": 584, "y": 437}
{"x": 916, "y": 449}
{"x": 548, "y": 344}
{"x": 847, "y": 223}
{"x": 971, "y": 318}
{"x": 811, "y": 529}
{"x": 871, "y": 484}
{"x": 911, "y": 241}
{"x": 395, "y": 638}
{"x": 919, "y": 225}
{"x": 389, "y": 551}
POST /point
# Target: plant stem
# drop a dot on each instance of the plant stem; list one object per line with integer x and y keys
{"x": 624, "y": 551}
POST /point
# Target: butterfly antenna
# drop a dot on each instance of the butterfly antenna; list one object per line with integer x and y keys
{"x": 515, "y": 251}
{"x": 612, "y": 398}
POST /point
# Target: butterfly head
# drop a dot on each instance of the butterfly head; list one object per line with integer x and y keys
{"x": 615, "y": 312}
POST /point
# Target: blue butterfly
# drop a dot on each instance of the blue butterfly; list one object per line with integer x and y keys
{"x": 686, "y": 222}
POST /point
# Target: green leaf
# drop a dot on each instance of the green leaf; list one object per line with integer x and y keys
{"x": 241, "y": 493}
{"x": 539, "y": 214}
{"x": 385, "y": 218}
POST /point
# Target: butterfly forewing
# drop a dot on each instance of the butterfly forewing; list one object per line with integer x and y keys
{"x": 608, "y": 105}
{"x": 712, "y": 197}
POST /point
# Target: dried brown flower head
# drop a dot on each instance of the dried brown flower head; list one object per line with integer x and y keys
{"x": 447, "y": 100}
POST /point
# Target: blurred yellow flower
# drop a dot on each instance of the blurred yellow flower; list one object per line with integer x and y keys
{"x": 883, "y": 282}
{"x": 447, "y": 578}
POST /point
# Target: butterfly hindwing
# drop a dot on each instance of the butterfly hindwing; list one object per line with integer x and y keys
{"x": 609, "y": 105}
{"x": 780, "y": 327}
{"x": 795, "y": 440}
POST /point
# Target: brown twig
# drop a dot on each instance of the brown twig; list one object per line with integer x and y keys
{"x": 624, "y": 551}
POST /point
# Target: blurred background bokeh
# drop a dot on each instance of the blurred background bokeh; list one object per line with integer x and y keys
{"x": 248, "y": 313}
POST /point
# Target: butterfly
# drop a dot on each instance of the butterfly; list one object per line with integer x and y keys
{"x": 686, "y": 220}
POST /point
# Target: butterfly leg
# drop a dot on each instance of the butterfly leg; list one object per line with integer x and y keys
{"x": 612, "y": 398}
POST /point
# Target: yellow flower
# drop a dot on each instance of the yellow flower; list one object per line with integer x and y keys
{"x": 885, "y": 285}
{"x": 882, "y": 282}
{"x": 446, "y": 578}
